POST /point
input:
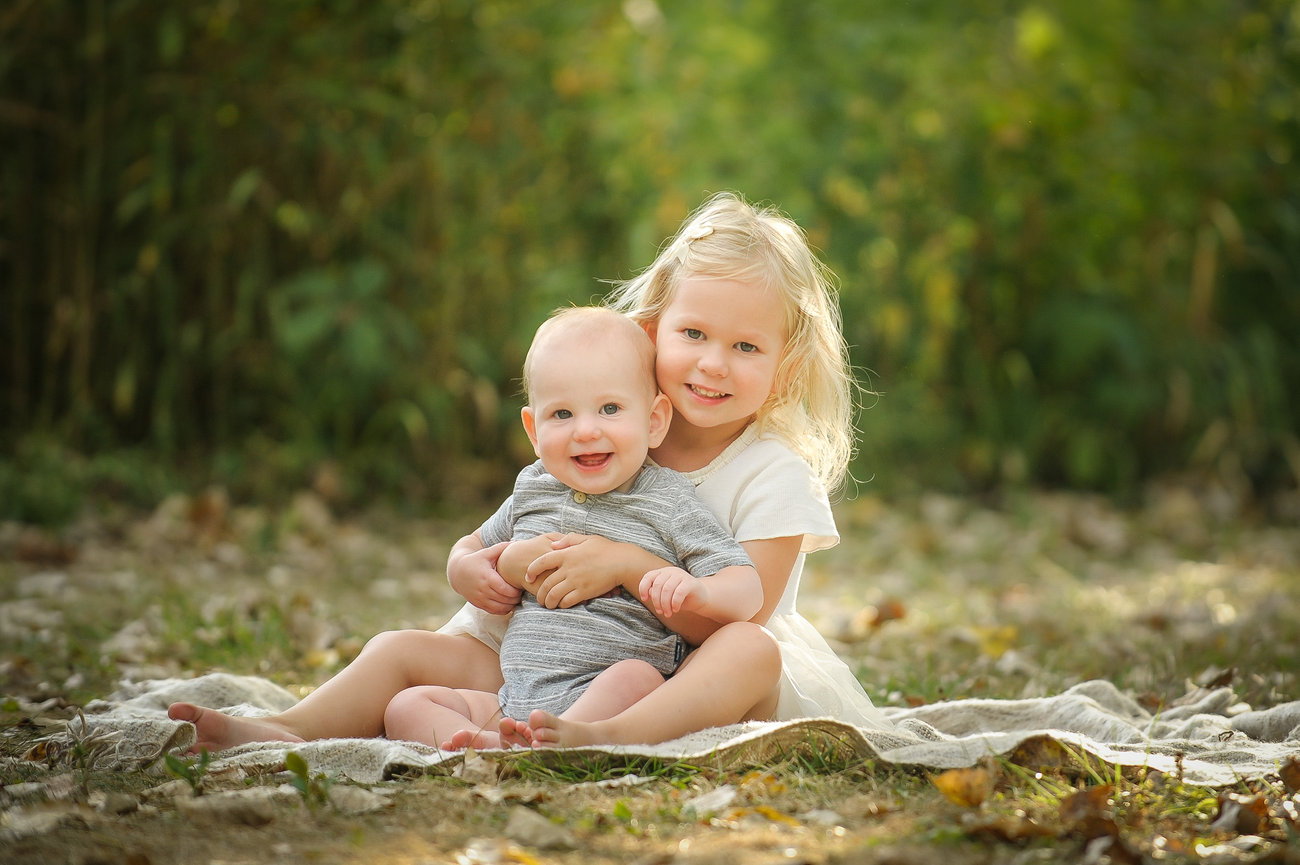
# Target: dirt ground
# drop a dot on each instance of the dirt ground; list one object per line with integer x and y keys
{"x": 928, "y": 598}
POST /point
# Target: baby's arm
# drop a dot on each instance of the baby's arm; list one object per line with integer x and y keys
{"x": 773, "y": 558}
{"x": 514, "y": 561}
{"x": 733, "y": 594}
{"x": 472, "y": 572}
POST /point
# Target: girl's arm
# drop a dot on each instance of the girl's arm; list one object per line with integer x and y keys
{"x": 774, "y": 559}
{"x": 586, "y": 566}
{"x": 578, "y": 568}
{"x": 472, "y": 572}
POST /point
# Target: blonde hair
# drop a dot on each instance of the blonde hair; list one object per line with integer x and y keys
{"x": 812, "y": 401}
{"x": 583, "y": 326}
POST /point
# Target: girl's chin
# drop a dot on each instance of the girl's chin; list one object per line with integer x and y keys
{"x": 706, "y": 420}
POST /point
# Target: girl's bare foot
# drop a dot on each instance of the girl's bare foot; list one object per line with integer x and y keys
{"x": 551, "y": 731}
{"x": 515, "y": 734}
{"x": 216, "y": 732}
{"x": 479, "y": 740}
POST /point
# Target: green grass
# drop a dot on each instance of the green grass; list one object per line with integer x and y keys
{"x": 1023, "y": 600}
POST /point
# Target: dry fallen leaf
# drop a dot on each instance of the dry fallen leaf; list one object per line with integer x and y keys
{"x": 1110, "y": 850}
{"x": 1041, "y": 754}
{"x": 761, "y": 784}
{"x": 1088, "y": 812}
{"x": 710, "y": 803}
{"x": 966, "y": 787}
{"x": 1290, "y": 774}
{"x": 477, "y": 769}
{"x": 526, "y": 826}
{"x": 1244, "y": 815}
{"x": 996, "y": 640}
{"x": 495, "y": 851}
{"x": 765, "y": 811}
{"x": 1012, "y": 828}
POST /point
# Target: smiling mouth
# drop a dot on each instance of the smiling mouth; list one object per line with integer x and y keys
{"x": 705, "y": 392}
{"x": 592, "y": 461}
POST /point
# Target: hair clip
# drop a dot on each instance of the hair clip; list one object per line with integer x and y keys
{"x": 700, "y": 232}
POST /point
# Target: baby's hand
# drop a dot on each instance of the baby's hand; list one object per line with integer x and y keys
{"x": 474, "y": 577}
{"x": 668, "y": 591}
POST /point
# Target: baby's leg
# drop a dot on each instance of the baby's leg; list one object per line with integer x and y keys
{"x": 438, "y": 716}
{"x": 352, "y": 704}
{"x": 617, "y": 687}
{"x": 733, "y": 676}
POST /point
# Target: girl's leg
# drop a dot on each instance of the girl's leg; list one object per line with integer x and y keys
{"x": 734, "y": 676}
{"x": 352, "y": 704}
{"x": 431, "y": 714}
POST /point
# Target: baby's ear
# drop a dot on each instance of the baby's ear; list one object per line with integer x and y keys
{"x": 530, "y": 427}
{"x": 661, "y": 415}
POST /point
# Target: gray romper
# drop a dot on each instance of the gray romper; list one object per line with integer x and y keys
{"x": 548, "y": 657}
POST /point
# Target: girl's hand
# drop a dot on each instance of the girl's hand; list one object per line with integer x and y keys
{"x": 578, "y": 568}
{"x": 668, "y": 591}
{"x": 474, "y": 577}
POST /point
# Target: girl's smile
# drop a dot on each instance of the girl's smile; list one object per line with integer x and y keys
{"x": 706, "y": 394}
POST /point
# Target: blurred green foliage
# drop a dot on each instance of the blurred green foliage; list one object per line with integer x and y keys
{"x": 252, "y": 240}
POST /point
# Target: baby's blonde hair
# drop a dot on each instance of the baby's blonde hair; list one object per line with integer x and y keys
{"x": 812, "y": 404}
{"x": 583, "y": 326}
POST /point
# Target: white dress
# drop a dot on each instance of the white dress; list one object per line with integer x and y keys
{"x": 760, "y": 489}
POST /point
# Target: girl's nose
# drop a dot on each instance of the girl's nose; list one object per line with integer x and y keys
{"x": 712, "y": 362}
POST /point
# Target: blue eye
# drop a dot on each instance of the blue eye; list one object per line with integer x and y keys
{"x": 746, "y": 347}
{"x": 609, "y": 408}
{"x": 692, "y": 333}
{"x": 563, "y": 414}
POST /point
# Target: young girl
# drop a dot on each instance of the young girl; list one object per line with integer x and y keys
{"x": 749, "y": 352}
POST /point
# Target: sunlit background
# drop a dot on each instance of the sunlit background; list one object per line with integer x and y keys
{"x": 273, "y": 246}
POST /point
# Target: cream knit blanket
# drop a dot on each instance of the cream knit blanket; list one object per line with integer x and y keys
{"x": 1210, "y": 737}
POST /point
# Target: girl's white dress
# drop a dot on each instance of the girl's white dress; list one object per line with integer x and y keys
{"x": 760, "y": 489}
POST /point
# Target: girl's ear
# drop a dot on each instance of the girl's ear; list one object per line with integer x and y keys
{"x": 652, "y": 330}
{"x": 530, "y": 427}
{"x": 661, "y": 415}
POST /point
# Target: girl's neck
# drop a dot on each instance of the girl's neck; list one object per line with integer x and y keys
{"x": 687, "y": 448}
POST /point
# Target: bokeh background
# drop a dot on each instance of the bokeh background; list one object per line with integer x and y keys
{"x": 266, "y": 246}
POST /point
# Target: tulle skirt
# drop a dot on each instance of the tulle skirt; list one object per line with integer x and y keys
{"x": 815, "y": 682}
{"x": 484, "y": 627}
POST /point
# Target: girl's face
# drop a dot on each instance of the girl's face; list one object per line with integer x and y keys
{"x": 718, "y": 344}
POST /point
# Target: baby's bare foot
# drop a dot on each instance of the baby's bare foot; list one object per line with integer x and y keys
{"x": 215, "y": 731}
{"x": 479, "y": 740}
{"x": 515, "y": 734}
{"x": 552, "y": 731}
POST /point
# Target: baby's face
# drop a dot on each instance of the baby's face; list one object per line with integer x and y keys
{"x": 593, "y": 414}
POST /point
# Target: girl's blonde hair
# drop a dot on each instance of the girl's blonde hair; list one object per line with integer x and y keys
{"x": 812, "y": 401}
